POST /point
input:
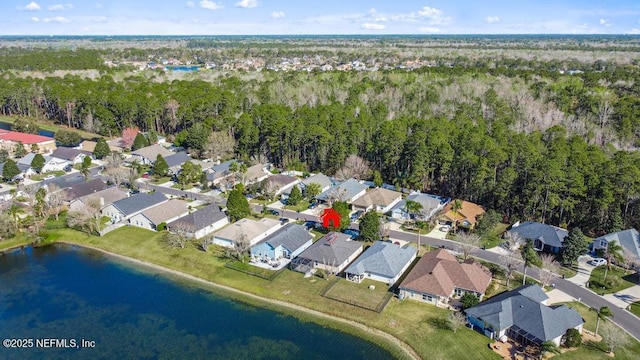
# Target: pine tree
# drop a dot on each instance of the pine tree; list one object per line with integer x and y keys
{"x": 102, "y": 149}
{"x": 574, "y": 245}
{"x": 160, "y": 167}
{"x": 237, "y": 205}
{"x": 37, "y": 163}
{"x": 370, "y": 226}
{"x": 139, "y": 142}
{"x": 295, "y": 197}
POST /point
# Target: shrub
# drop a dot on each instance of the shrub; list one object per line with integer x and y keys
{"x": 572, "y": 338}
{"x": 161, "y": 226}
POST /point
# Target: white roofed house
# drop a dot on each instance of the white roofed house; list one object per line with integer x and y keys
{"x": 348, "y": 191}
{"x": 74, "y": 156}
{"x": 251, "y": 231}
{"x": 332, "y": 253}
{"x": 50, "y": 164}
{"x": 286, "y": 243}
{"x": 104, "y": 198}
{"x": 280, "y": 184}
{"x": 148, "y": 155}
{"x": 629, "y": 240}
{"x": 162, "y": 213}
{"x": 431, "y": 204}
{"x": 321, "y": 179}
{"x": 126, "y": 208}
{"x": 378, "y": 199}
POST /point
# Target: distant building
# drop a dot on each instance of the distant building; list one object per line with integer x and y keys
{"x": 9, "y": 141}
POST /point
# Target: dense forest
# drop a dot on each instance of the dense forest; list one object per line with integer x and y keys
{"x": 511, "y": 134}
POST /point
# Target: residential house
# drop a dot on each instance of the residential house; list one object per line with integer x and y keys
{"x": 321, "y": 179}
{"x": 348, "y": 191}
{"x": 629, "y": 240}
{"x": 286, "y": 243}
{"x": 126, "y": 208}
{"x": 378, "y": 199}
{"x": 438, "y": 277}
{"x": 116, "y": 144}
{"x": 105, "y": 197}
{"x": 9, "y": 140}
{"x": 280, "y": 184}
{"x": 162, "y": 213}
{"x": 176, "y": 160}
{"x": 465, "y": 217}
{"x": 431, "y": 204}
{"x": 201, "y": 222}
{"x": 523, "y": 315}
{"x": 148, "y": 155}
{"x": 382, "y": 261}
{"x": 50, "y": 164}
{"x": 73, "y": 156}
{"x": 332, "y": 253}
{"x": 256, "y": 173}
{"x": 219, "y": 172}
{"x": 84, "y": 188}
{"x": 546, "y": 238}
{"x": 251, "y": 231}
{"x": 89, "y": 146}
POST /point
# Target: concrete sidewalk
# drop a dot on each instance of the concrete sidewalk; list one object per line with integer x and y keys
{"x": 557, "y": 296}
{"x": 624, "y": 298}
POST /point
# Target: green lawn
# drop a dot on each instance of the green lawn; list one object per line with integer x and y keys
{"x": 302, "y": 206}
{"x": 49, "y": 126}
{"x": 358, "y": 294}
{"x": 591, "y": 351}
{"x": 422, "y": 326}
{"x": 40, "y": 177}
{"x": 160, "y": 180}
{"x": 617, "y": 279}
{"x": 635, "y": 308}
{"x": 492, "y": 239}
{"x": 15, "y": 241}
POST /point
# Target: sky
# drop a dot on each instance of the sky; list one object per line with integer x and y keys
{"x": 274, "y": 17}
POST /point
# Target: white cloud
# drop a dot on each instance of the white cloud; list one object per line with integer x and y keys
{"x": 58, "y": 7}
{"x": 210, "y": 5}
{"x": 605, "y": 23}
{"x": 634, "y": 31}
{"x": 247, "y": 4}
{"x": 98, "y": 6}
{"x": 370, "y": 26}
{"x": 429, "y": 29}
{"x": 35, "y": 19}
{"x": 435, "y": 16}
{"x": 57, "y": 19}
{"x": 32, "y": 6}
{"x": 190, "y": 4}
{"x": 277, "y": 14}
{"x": 491, "y": 19}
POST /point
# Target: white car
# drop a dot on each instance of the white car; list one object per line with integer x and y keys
{"x": 597, "y": 262}
{"x": 49, "y": 177}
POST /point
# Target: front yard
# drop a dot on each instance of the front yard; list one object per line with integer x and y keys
{"x": 493, "y": 238}
{"x": 617, "y": 279}
{"x": 40, "y": 177}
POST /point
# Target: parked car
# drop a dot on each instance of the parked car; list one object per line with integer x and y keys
{"x": 49, "y": 177}
{"x": 284, "y": 221}
{"x": 274, "y": 212}
{"x": 597, "y": 262}
{"x": 67, "y": 168}
{"x": 352, "y": 232}
{"x": 313, "y": 205}
{"x": 145, "y": 176}
{"x": 356, "y": 215}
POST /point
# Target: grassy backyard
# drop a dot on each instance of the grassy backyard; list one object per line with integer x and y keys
{"x": 421, "y": 326}
{"x": 617, "y": 279}
{"x": 368, "y": 294}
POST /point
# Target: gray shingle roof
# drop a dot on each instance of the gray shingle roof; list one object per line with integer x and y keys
{"x": 629, "y": 239}
{"x": 320, "y": 178}
{"x": 151, "y": 152}
{"x": 201, "y": 218}
{"x": 220, "y": 170}
{"x": 67, "y": 153}
{"x": 85, "y": 188}
{"x": 522, "y": 308}
{"x": 346, "y": 190}
{"x": 332, "y": 253}
{"x": 382, "y": 258}
{"x": 291, "y": 236}
{"x": 139, "y": 202}
{"x": 177, "y": 159}
{"x": 550, "y": 235}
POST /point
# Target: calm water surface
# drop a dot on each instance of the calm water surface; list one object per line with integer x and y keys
{"x": 66, "y": 292}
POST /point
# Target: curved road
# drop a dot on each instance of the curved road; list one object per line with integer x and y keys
{"x": 626, "y": 320}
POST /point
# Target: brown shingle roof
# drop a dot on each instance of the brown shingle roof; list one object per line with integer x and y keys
{"x": 469, "y": 212}
{"x": 378, "y": 196}
{"x": 439, "y": 273}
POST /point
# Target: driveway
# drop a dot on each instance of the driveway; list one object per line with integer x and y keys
{"x": 584, "y": 271}
{"x": 437, "y": 233}
{"x": 624, "y": 298}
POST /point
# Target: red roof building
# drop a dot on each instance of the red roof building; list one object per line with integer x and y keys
{"x": 9, "y": 139}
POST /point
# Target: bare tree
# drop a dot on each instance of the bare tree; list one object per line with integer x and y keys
{"x": 614, "y": 336}
{"x": 117, "y": 174}
{"x": 270, "y": 188}
{"x": 112, "y": 160}
{"x": 513, "y": 241}
{"x": 178, "y": 235}
{"x": 456, "y": 320}
{"x": 88, "y": 219}
{"x": 469, "y": 243}
{"x": 55, "y": 199}
{"x": 203, "y": 242}
{"x": 510, "y": 261}
{"x": 354, "y": 167}
{"x": 548, "y": 269}
{"x": 240, "y": 247}
{"x": 385, "y": 228}
{"x": 219, "y": 145}
{"x": 338, "y": 194}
